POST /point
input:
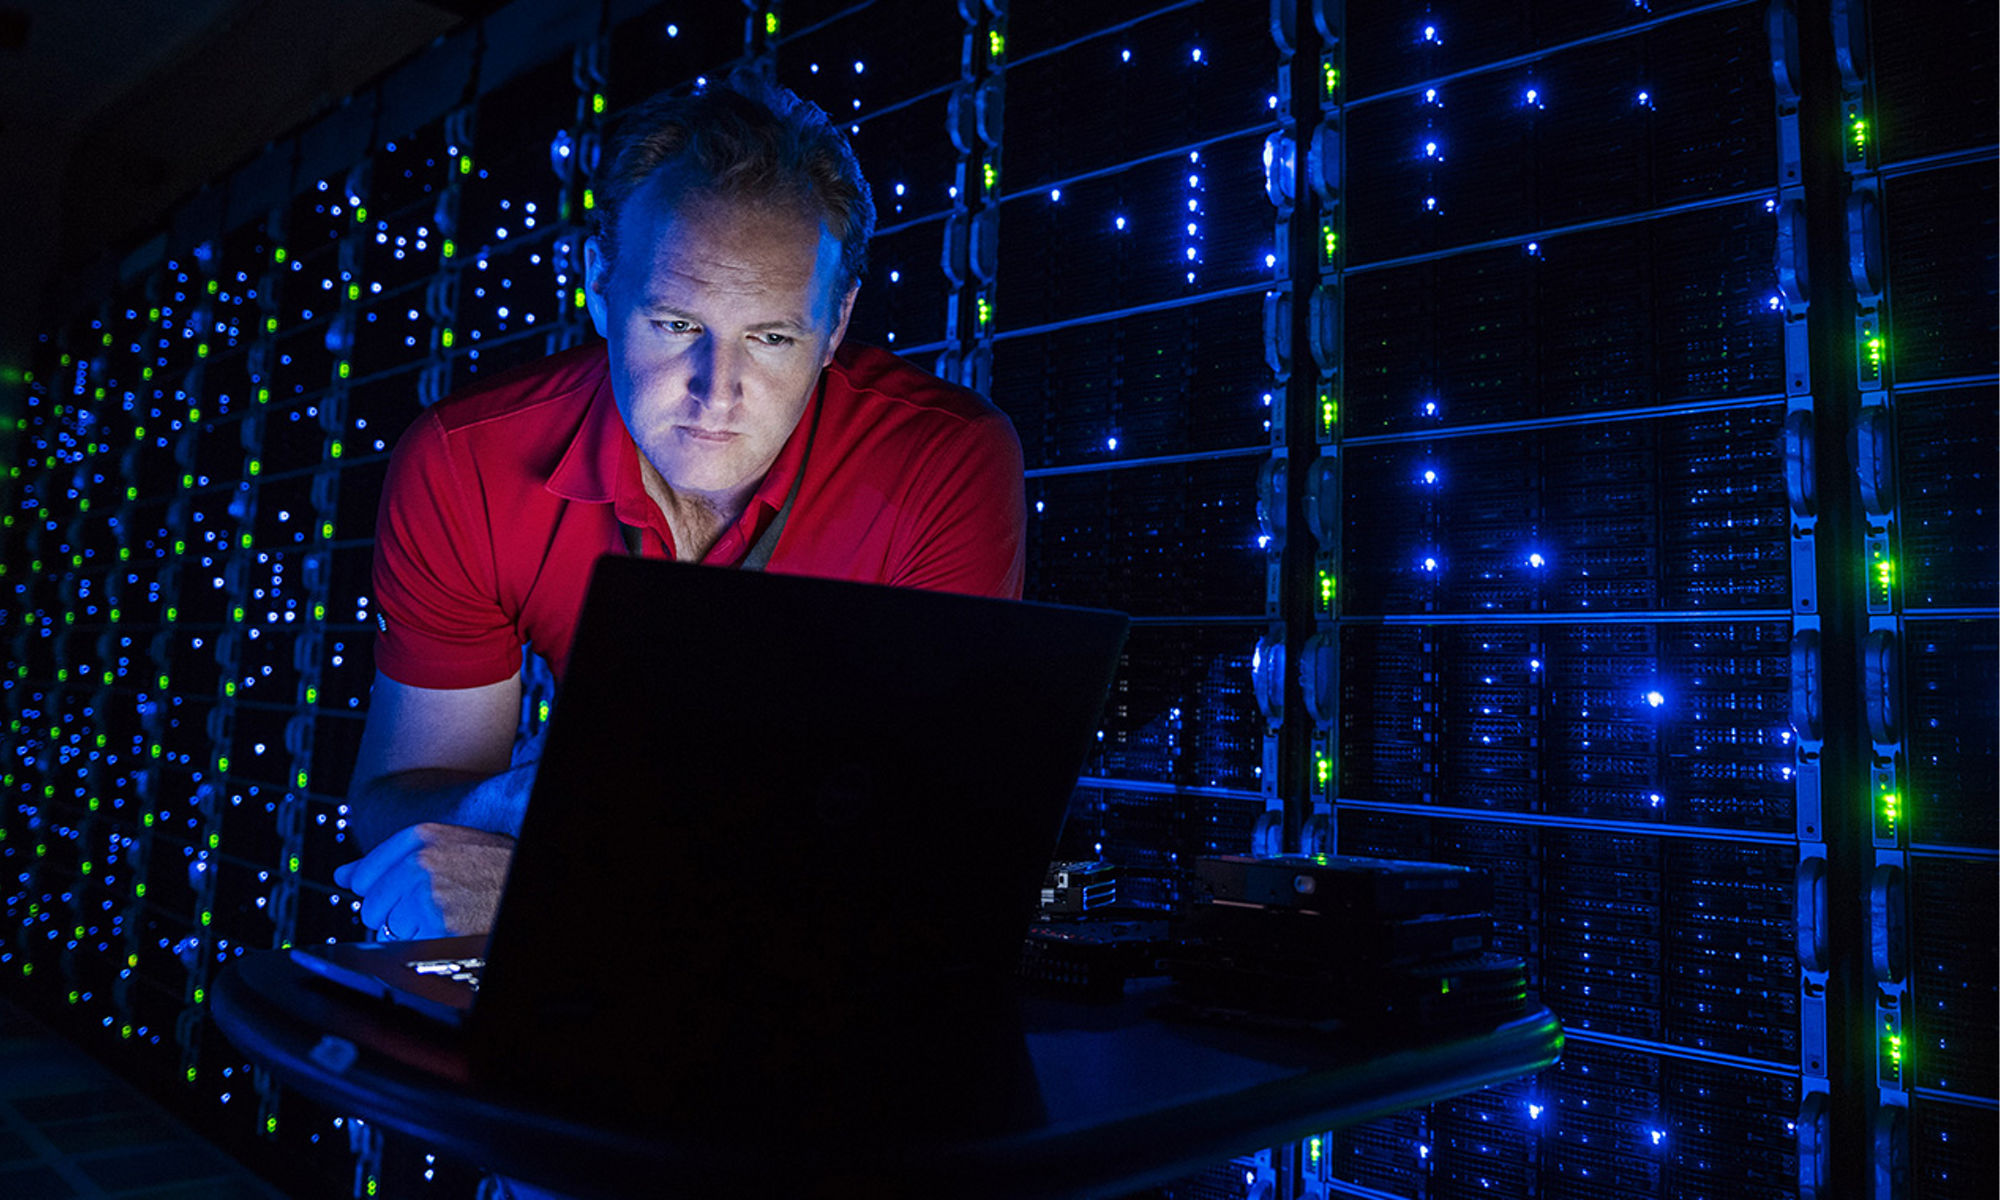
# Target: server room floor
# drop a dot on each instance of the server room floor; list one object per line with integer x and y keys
{"x": 70, "y": 1127}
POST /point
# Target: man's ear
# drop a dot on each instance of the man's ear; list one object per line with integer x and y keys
{"x": 840, "y": 330}
{"x": 596, "y": 278}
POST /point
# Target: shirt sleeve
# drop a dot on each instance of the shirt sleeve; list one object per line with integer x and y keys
{"x": 439, "y": 620}
{"x": 964, "y": 526}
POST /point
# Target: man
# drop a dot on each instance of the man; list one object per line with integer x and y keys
{"x": 722, "y": 420}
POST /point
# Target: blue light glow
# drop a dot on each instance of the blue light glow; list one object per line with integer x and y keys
{"x": 1655, "y": 699}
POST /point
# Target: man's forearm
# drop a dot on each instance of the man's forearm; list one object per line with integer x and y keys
{"x": 494, "y": 803}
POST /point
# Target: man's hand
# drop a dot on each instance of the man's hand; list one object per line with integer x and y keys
{"x": 430, "y": 880}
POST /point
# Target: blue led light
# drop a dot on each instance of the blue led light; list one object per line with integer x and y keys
{"x": 673, "y": 31}
{"x": 1655, "y": 699}
{"x": 1119, "y": 223}
{"x": 1055, "y": 195}
{"x": 1536, "y": 560}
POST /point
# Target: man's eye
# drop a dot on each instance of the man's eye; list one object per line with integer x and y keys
{"x": 674, "y": 325}
{"x": 774, "y": 339}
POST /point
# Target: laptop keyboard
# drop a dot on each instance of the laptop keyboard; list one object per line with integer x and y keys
{"x": 461, "y": 970}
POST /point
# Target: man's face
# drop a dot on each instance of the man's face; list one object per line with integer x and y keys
{"x": 720, "y": 317}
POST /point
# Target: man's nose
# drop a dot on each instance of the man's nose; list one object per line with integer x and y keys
{"x": 717, "y": 374}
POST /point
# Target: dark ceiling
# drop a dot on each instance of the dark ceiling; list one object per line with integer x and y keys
{"x": 113, "y": 110}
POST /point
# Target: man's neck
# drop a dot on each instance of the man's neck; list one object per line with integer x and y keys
{"x": 696, "y": 519}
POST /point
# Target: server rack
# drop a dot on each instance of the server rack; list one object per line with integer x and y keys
{"x": 1545, "y": 436}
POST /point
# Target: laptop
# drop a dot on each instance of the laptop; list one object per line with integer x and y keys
{"x": 771, "y": 811}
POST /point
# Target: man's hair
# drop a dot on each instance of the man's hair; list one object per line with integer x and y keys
{"x": 747, "y": 139}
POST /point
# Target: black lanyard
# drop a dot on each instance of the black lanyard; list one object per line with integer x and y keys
{"x": 767, "y": 542}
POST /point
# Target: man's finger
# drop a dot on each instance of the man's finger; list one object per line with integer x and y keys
{"x": 378, "y": 901}
{"x": 367, "y": 871}
{"x": 414, "y": 916}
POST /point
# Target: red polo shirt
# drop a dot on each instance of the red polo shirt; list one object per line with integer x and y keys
{"x": 500, "y": 499}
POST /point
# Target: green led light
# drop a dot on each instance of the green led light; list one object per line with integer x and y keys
{"x": 1331, "y": 74}
{"x": 1892, "y": 809}
{"x": 1857, "y": 131}
{"x": 354, "y": 291}
{"x": 985, "y": 312}
{"x": 238, "y": 611}
{"x": 229, "y": 689}
{"x": 153, "y": 314}
{"x": 319, "y": 612}
{"x": 465, "y": 164}
{"x": 246, "y": 546}
{"x": 302, "y": 779}
{"x": 190, "y": 1074}
{"x": 1313, "y": 1150}
{"x": 1322, "y": 769}
{"x": 270, "y": 324}
{"x": 86, "y": 868}
{"x": 278, "y": 254}
{"x": 1326, "y": 589}
{"x": 201, "y": 351}
{"x": 597, "y": 102}
{"x": 343, "y": 370}
{"x": 214, "y": 841}
{"x": 579, "y": 297}
{"x": 770, "y": 30}
{"x": 256, "y": 468}
{"x": 1328, "y": 411}
{"x": 446, "y": 338}
{"x": 589, "y": 199}
{"x": 312, "y": 695}
{"x": 125, "y": 1031}
{"x": 543, "y": 710}
{"x": 222, "y": 764}
{"x": 333, "y": 450}
{"x": 207, "y": 918}
{"x": 326, "y": 529}
{"x": 74, "y": 997}
{"x": 360, "y": 214}
{"x": 213, "y": 286}
{"x": 1329, "y": 241}
{"x": 293, "y": 862}
{"x": 996, "y": 43}
{"x": 450, "y": 248}
{"x": 172, "y": 614}
{"x": 270, "y": 1124}
{"x": 139, "y": 889}
{"x": 991, "y": 175}
{"x": 27, "y": 968}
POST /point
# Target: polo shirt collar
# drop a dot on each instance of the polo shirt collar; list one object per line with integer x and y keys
{"x": 601, "y": 466}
